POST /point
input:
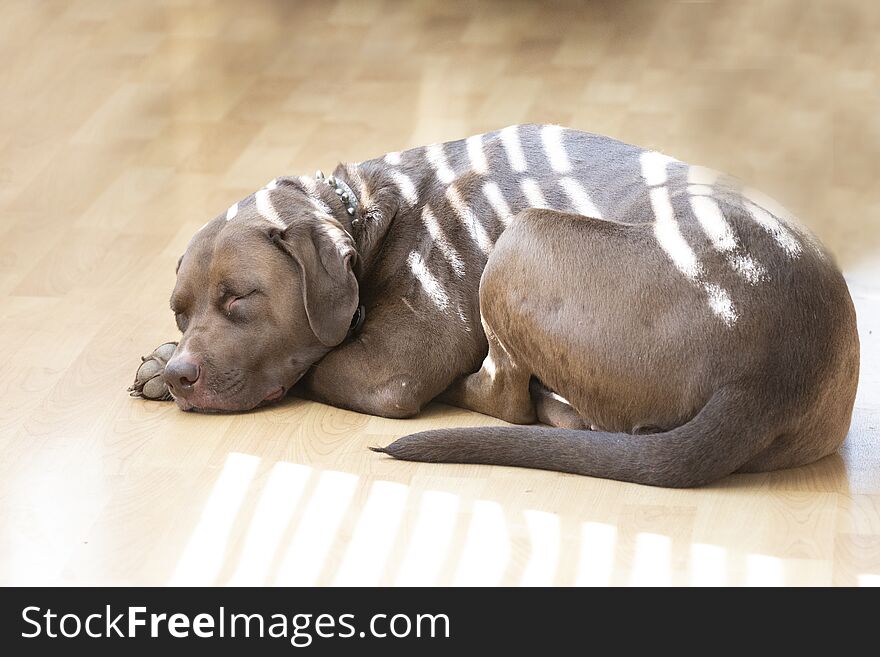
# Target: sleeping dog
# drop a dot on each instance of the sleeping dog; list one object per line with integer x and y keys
{"x": 671, "y": 325}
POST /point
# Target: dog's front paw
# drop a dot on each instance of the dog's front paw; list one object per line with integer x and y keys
{"x": 148, "y": 381}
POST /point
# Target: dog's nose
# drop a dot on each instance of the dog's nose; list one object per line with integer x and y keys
{"x": 181, "y": 374}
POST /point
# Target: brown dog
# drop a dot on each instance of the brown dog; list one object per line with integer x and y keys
{"x": 676, "y": 325}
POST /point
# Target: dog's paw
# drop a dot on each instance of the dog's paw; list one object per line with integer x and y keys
{"x": 148, "y": 381}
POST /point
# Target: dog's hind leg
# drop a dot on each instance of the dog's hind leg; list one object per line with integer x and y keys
{"x": 552, "y": 409}
{"x": 500, "y": 388}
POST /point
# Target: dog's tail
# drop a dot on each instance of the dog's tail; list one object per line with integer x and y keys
{"x": 724, "y": 435}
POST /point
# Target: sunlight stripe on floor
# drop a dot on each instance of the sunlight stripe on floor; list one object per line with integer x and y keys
{"x": 278, "y": 501}
{"x": 430, "y": 541}
{"x": 651, "y": 563}
{"x": 309, "y": 547}
{"x": 204, "y": 553}
{"x": 596, "y": 558}
{"x": 368, "y": 550}
{"x": 545, "y": 540}
{"x": 708, "y": 565}
{"x": 487, "y": 548}
{"x": 763, "y": 570}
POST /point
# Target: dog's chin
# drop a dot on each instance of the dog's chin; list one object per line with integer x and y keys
{"x": 229, "y": 405}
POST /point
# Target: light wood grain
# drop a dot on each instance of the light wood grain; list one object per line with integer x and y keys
{"x": 125, "y": 126}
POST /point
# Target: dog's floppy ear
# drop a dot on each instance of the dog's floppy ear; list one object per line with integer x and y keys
{"x": 324, "y": 253}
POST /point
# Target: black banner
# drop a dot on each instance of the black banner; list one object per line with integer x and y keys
{"x": 410, "y": 621}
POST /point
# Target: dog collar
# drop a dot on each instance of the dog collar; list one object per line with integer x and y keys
{"x": 348, "y": 198}
{"x": 345, "y": 194}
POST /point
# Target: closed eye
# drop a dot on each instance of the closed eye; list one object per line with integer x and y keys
{"x": 234, "y": 302}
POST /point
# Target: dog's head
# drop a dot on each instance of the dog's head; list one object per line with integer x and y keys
{"x": 263, "y": 292}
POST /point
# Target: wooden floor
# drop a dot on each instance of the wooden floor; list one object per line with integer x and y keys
{"x": 125, "y": 126}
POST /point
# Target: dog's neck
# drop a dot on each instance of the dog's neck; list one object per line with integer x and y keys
{"x": 374, "y": 207}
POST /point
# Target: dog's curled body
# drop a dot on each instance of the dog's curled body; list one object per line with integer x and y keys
{"x": 683, "y": 316}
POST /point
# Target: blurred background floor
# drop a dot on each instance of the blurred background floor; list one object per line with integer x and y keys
{"x": 125, "y": 126}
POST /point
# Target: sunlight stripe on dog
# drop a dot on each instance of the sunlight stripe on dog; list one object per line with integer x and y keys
{"x": 749, "y": 269}
{"x": 476, "y": 155}
{"x": 429, "y": 283}
{"x": 490, "y": 367}
{"x": 772, "y": 225}
{"x": 513, "y": 146}
{"x": 801, "y": 238}
{"x": 711, "y": 219}
{"x": 462, "y": 317}
{"x": 439, "y": 236}
{"x": 768, "y": 203}
{"x": 533, "y": 193}
{"x": 580, "y": 199}
{"x": 713, "y": 223}
{"x": 320, "y": 206}
{"x": 700, "y": 190}
{"x": 266, "y": 209}
{"x": 551, "y": 137}
{"x": 407, "y": 188}
{"x": 437, "y": 157}
{"x": 470, "y": 220}
{"x": 669, "y": 236}
{"x": 363, "y": 190}
{"x": 654, "y": 167}
{"x": 335, "y": 233}
{"x": 720, "y": 302}
{"x": 671, "y": 240}
{"x": 231, "y": 212}
{"x": 665, "y": 227}
{"x": 309, "y": 184}
{"x": 496, "y": 199}
{"x": 699, "y": 175}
